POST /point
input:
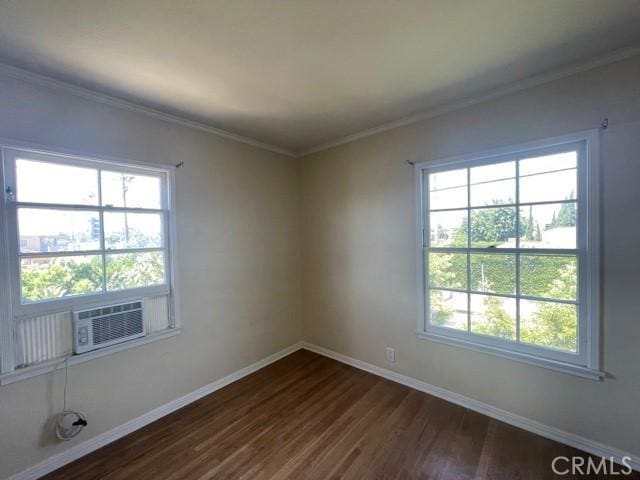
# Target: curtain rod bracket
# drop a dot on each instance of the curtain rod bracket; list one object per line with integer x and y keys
{"x": 605, "y": 124}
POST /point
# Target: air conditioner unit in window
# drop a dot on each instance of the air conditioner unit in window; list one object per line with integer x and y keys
{"x": 104, "y": 326}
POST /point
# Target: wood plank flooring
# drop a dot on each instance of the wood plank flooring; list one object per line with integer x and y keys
{"x": 310, "y": 417}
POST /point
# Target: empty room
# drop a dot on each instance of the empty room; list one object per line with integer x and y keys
{"x": 309, "y": 240}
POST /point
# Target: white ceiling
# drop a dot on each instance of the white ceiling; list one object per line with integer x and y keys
{"x": 300, "y": 73}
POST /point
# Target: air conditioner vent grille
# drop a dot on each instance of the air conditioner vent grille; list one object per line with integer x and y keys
{"x": 117, "y": 325}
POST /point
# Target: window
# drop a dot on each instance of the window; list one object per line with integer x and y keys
{"x": 83, "y": 232}
{"x": 508, "y": 248}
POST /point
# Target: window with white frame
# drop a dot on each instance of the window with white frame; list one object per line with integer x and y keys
{"x": 82, "y": 232}
{"x": 509, "y": 251}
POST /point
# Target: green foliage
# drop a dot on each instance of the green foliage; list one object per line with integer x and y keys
{"x": 60, "y": 277}
{"x": 134, "y": 270}
{"x": 495, "y": 321}
{"x": 528, "y": 229}
{"x": 448, "y": 270}
{"x": 553, "y": 325}
{"x": 489, "y": 227}
{"x": 566, "y": 216}
{"x": 493, "y": 226}
{"x": 64, "y": 276}
{"x": 547, "y": 324}
{"x": 440, "y": 311}
{"x": 540, "y": 276}
{"x": 493, "y": 273}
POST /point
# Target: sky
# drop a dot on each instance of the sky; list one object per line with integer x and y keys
{"x": 65, "y": 184}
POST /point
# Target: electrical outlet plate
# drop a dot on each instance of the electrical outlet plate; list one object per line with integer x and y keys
{"x": 391, "y": 354}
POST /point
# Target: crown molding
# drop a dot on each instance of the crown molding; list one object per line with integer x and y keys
{"x": 49, "y": 82}
{"x": 514, "y": 87}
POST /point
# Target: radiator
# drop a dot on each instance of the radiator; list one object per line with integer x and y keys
{"x": 43, "y": 338}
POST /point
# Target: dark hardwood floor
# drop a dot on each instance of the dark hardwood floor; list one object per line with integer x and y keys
{"x": 310, "y": 417}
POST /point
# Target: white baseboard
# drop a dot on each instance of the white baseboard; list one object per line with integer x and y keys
{"x": 529, "y": 425}
{"x": 88, "y": 446}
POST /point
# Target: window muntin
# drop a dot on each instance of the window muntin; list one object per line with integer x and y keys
{"x": 80, "y": 229}
{"x": 509, "y": 278}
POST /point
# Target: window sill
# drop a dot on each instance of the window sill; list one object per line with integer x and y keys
{"x": 563, "y": 367}
{"x": 52, "y": 365}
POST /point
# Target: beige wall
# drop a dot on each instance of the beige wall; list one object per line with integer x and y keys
{"x": 238, "y": 265}
{"x": 359, "y": 262}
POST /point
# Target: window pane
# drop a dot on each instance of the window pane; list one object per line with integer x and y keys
{"x": 56, "y": 277}
{"x": 133, "y": 270}
{"x": 548, "y": 178}
{"x": 493, "y": 227}
{"x": 48, "y": 230}
{"x": 132, "y": 230}
{"x": 549, "y": 276}
{"x": 548, "y": 187}
{"x": 548, "y": 324}
{"x": 448, "y": 229}
{"x": 448, "y": 189}
{"x": 448, "y": 309}
{"x": 44, "y": 182}
{"x": 548, "y": 226}
{"x": 548, "y": 163}
{"x": 493, "y": 184}
{"x": 120, "y": 189}
{"x": 448, "y": 270}
{"x": 493, "y": 273}
{"x": 494, "y": 316}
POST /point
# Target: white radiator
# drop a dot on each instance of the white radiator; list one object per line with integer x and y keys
{"x": 156, "y": 314}
{"x": 43, "y": 338}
